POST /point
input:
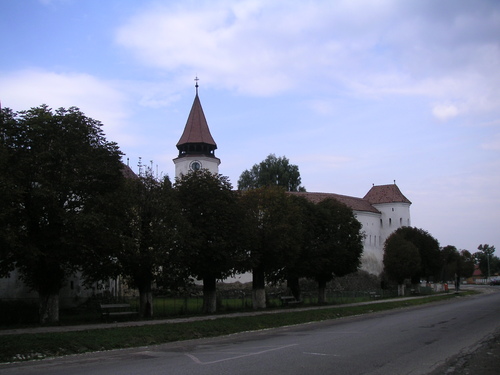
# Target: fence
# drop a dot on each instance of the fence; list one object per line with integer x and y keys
{"x": 25, "y": 311}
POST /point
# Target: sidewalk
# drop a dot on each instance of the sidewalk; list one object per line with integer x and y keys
{"x": 138, "y": 323}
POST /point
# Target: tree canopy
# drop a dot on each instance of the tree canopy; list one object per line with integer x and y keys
{"x": 401, "y": 258}
{"x": 332, "y": 245}
{"x": 271, "y": 224}
{"x": 152, "y": 233}
{"x": 210, "y": 206}
{"x": 489, "y": 264}
{"x": 456, "y": 263}
{"x": 273, "y": 171}
{"x": 59, "y": 172}
{"x": 429, "y": 251}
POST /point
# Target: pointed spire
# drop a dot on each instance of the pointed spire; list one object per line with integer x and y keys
{"x": 196, "y": 137}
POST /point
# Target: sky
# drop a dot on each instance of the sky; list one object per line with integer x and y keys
{"x": 353, "y": 92}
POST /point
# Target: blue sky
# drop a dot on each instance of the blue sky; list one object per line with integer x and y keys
{"x": 354, "y": 92}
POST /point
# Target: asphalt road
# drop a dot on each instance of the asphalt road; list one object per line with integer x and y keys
{"x": 407, "y": 341}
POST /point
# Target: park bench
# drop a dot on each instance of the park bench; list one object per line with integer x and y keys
{"x": 375, "y": 295}
{"x": 289, "y": 300}
{"x": 109, "y": 310}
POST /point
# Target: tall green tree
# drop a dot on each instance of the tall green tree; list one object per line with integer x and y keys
{"x": 273, "y": 171}
{"x": 153, "y": 232}
{"x": 338, "y": 246}
{"x": 489, "y": 264}
{"x": 62, "y": 173}
{"x": 401, "y": 260}
{"x": 331, "y": 244}
{"x": 211, "y": 208}
{"x": 429, "y": 250}
{"x": 272, "y": 236}
{"x": 456, "y": 264}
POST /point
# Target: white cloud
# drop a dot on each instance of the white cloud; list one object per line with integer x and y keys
{"x": 98, "y": 99}
{"x": 445, "y": 111}
{"x": 365, "y": 48}
{"x": 492, "y": 144}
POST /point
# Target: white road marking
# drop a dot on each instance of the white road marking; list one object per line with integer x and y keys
{"x": 198, "y": 361}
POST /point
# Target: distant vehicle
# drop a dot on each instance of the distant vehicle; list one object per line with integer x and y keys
{"x": 495, "y": 282}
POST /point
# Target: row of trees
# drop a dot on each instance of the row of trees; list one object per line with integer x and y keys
{"x": 413, "y": 254}
{"x": 68, "y": 204}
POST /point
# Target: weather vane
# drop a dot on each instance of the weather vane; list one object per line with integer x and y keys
{"x": 196, "y": 84}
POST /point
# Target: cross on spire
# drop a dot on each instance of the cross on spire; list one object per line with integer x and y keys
{"x": 196, "y": 84}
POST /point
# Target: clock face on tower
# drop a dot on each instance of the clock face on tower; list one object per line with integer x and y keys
{"x": 195, "y": 165}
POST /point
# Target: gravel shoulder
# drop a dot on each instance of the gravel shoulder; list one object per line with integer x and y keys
{"x": 485, "y": 360}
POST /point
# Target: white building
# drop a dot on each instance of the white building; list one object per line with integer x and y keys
{"x": 381, "y": 211}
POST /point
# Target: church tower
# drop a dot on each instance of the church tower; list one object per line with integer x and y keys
{"x": 196, "y": 145}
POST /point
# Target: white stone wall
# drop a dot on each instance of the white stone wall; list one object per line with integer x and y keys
{"x": 182, "y": 164}
{"x": 394, "y": 216}
{"x": 373, "y": 250}
{"x": 376, "y": 228}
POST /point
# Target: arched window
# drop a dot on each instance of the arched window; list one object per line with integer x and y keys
{"x": 390, "y": 221}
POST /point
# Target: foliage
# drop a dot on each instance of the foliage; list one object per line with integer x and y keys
{"x": 334, "y": 242}
{"x": 272, "y": 231}
{"x": 455, "y": 263}
{"x": 489, "y": 264}
{"x": 210, "y": 206}
{"x": 401, "y": 258}
{"x": 273, "y": 171}
{"x": 429, "y": 251}
{"x": 58, "y": 172}
{"x": 152, "y": 233}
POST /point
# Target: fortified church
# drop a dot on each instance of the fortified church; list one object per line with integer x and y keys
{"x": 381, "y": 211}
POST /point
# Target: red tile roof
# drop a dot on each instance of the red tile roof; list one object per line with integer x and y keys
{"x": 385, "y": 194}
{"x": 196, "y": 129}
{"x": 356, "y": 204}
{"x": 377, "y": 194}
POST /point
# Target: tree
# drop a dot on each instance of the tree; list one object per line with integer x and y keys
{"x": 339, "y": 244}
{"x": 456, "y": 264}
{"x": 430, "y": 254}
{"x": 331, "y": 245}
{"x": 401, "y": 260}
{"x": 273, "y": 171}
{"x": 488, "y": 263}
{"x": 211, "y": 208}
{"x": 466, "y": 264}
{"x": 152, "y": 234}
{"x": 62, "y": 175}
{"x": 271, "y": 223}
{"x": 450, "y": 259}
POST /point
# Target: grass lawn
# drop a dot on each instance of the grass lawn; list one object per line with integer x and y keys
{"x": 36, "y": 346}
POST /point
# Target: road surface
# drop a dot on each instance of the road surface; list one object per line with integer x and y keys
{"x": 407, "y": 341}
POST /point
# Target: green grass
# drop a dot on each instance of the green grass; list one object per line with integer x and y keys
{"x": 36, "y": 346}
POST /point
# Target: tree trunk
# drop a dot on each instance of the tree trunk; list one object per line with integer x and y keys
{"x": 209, "y": 295}
{"x": 294, "y": 286}
{"x": 258, "y": 289}
{"x": 321, "y": 291}
{"x": 145, "y": 301}
{"x": 401, "y": 290}
{"x": 48, "y": 307}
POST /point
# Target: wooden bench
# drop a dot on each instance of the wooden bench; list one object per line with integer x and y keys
{"x": 115, "y": 310}
{"x": 289, "y": 300}
{"x": 374, "y": 295}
